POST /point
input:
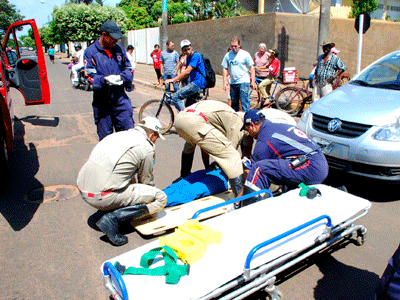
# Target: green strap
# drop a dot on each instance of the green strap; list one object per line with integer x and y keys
{"x": 172, "y": 270}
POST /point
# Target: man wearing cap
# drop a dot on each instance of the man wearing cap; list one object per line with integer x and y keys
{"x": 107, "y": 179}
{"x": 110, "y": 72}
{"x": 196, "y": 71}
{"x": 328, "y": 67}
{"x": 272, "y": 69}
{"x": 275, "y": 153}
{"x": 215, "y": 127}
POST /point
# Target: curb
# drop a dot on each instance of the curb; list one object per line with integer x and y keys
{"x": 148, "y": 84}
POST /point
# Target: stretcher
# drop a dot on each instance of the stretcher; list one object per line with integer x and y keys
{"x": 258, "y": 242}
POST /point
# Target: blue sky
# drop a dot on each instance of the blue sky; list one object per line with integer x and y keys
{"x": 34, "y": 9}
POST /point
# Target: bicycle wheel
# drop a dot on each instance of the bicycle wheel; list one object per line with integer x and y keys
{"x": 254, "y": 99}
{"x": 289, "y": 100}
{"x": 165, "y": 113}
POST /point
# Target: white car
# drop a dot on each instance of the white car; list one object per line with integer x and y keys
{"x": 357, "y": 125}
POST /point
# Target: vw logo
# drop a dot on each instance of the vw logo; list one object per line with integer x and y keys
{"x": 334, "y": 125}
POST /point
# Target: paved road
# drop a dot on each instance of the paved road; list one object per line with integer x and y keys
{"x": 50, "y": 248}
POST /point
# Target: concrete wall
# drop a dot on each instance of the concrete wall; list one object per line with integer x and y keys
{"x": 294, "y": 35}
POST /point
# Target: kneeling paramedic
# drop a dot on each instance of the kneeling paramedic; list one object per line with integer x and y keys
{"x": 106, "y": 181}
{"x": 215, "y": 127}
{"x": 283, "y": 155}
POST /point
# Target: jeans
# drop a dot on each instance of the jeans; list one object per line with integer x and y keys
{"x": 185, "y": 92}
{"x": 175, "y": 84}
{"x": 240, "y": 96}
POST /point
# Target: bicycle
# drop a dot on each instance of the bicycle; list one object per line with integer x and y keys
{"x": 296, "y": 99}
{"x": 162, "y": 110}
{"x": 259, "y": 102}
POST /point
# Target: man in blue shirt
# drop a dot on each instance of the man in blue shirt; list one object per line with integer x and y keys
{"x": 169, "y": 59}
{"x": 109, "y": 71}
{"x": 274, "y": 155}
{"x": 195, "y": 66}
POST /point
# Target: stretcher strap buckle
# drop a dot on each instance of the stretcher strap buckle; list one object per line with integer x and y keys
{"x": 171, "y": 270}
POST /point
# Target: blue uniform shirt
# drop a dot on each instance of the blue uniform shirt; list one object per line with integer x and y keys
{"x": 271, "y": 143}
{"x": 100, "y": 63}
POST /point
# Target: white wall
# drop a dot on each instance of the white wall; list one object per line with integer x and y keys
{"x": 144, "y": 40}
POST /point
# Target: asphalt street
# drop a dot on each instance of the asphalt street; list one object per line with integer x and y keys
{"x": 51, "y": 249}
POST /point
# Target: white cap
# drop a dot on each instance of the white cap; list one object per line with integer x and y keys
{"x": 185, "y": 43}
{"x": 152, "y": 124}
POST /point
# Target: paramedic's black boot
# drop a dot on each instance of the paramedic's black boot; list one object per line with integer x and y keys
{"x": 109, "y": 223}
{"x": 248, "y": 190}
{"x": 237, "y": 186}
{"x": 186, "y": 164}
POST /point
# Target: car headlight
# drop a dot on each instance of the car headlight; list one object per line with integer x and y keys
{"x": 389, "y": 133}
{"x": 305, "y": 115}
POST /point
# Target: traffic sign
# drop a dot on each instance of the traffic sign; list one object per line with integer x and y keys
{"x": 366, "y": 22}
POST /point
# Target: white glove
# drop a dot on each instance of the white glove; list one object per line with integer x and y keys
{"x": 113, "y": 80}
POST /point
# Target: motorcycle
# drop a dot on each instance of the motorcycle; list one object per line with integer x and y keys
{"x": 82, "y": 78}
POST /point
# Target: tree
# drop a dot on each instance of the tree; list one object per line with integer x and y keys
{"x": 8, "y": 15}
{"x": 75, "y": 22}
{"x": 360, "y": 6}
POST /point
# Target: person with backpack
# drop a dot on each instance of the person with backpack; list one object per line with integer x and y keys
{"x": 196, "y": 70}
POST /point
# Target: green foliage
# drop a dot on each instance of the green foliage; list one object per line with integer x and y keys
{"x": 75, "y": 22}
{"x": 360, "y": 6}
{"x": 179, "y": 11}
{"x": 27, "y": 41}
{"x": 8, "y": 15}
{"x": 138, "y": 17}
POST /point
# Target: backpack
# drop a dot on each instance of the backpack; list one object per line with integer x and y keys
{"x": 210, "y": 74}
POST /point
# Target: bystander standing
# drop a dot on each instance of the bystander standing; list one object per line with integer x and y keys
{"x": 155, "y": 55}
{"x": 169, "y": 60}
{"x": 240, "y": 65}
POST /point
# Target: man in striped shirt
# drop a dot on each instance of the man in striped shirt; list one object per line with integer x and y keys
{"x": 328, "y": 67}
{"x": 169, "y": 59}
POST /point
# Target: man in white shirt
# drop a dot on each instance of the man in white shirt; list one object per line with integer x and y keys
{"x": 129, "y": 52}
{"x": 240, "y": 65}
{"x": 79, "y": 65}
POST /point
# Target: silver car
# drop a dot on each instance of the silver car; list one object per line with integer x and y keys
{"x": 357, "y": 125}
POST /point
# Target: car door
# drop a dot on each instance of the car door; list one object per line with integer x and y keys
{"x": 27, "y": 73}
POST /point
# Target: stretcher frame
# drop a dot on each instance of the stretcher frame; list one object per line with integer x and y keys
{"x": 264, "y": 276}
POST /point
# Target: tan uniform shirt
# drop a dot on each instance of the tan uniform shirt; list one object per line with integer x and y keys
{"x": 111, "y": 167}
{"x": 215, "y": 127}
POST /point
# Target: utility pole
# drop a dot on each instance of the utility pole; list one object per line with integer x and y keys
{"x": 164, "y": 35}
{"x": 324, "y": 22}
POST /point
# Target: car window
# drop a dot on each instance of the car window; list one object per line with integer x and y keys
{"x": 383, "y": 74}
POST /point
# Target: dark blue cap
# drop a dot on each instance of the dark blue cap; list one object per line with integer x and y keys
{"x": 253, "y": 115}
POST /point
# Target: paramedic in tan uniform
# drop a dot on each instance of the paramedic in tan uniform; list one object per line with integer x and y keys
{"x": 106, "y": 181}
{"x": 215, "y": 127}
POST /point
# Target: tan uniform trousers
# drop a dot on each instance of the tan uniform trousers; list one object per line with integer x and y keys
{"x": 154, "y": 198}
{"x": 196, "y": 131}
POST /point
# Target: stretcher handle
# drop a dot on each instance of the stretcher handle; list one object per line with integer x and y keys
{"x": 203, "y": 210}
{"x": 110, "y": 270}
{"x": 281, "y": 236}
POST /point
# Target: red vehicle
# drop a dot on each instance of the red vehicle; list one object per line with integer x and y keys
{"x": 28, "y": 74}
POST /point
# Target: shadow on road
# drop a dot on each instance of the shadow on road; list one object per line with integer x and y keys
{"x": 341, "y": 281}
{"x": 24, "y": 165}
